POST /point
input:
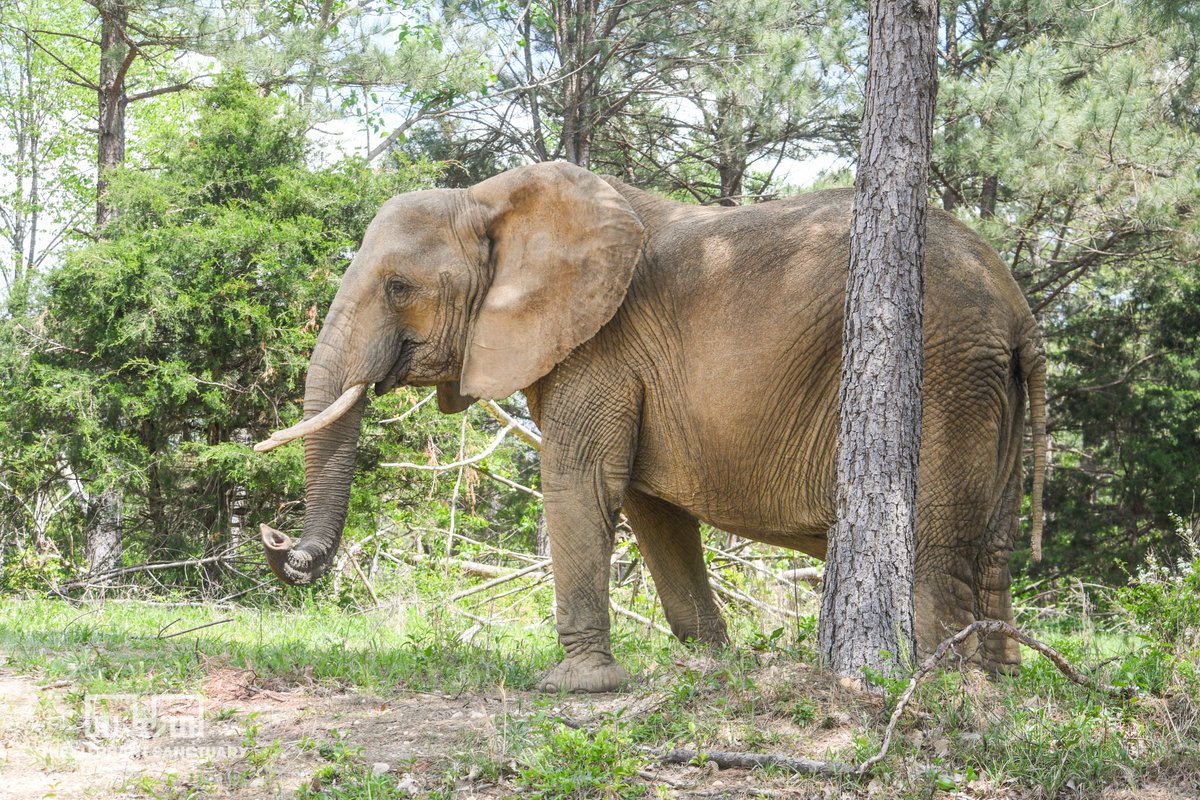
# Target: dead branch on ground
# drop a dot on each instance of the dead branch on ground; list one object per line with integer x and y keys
{"x": 725, "y": 760}
{"x": 807, "y": 766}
{"x": 986, "y": 627}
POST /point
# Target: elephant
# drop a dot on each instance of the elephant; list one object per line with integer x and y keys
{"x": 683, "y": 364}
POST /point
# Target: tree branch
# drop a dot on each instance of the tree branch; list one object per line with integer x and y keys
{"x": 807, "y": 766}
{"x": 726, "y": 760}
{"x": 179, "y": 87}
{"x": 985, "y": 627}
{"x": 463, "y": 462}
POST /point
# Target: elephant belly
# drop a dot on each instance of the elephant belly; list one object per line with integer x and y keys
{"x": 770, "y": 497}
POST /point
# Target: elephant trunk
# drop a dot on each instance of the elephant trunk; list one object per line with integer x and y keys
{"x": 329, "y": 455}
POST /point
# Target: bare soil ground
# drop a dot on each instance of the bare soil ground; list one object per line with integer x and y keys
{"x": 242, "y": 739}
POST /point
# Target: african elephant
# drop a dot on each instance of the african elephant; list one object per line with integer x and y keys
{"x": 682, "y": 363}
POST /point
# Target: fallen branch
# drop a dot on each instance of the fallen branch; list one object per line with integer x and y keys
{"x": 724, "y": 760}
{"x": 474, "y": 617}
{"x": 633, "y": 615}
{"x": 540, "y": 566}
{"x": 363, "y": 578}
{"x": 723, "y": 587}
{"x": 537, "y": 582}
{"x": 89, "y": 580}
{"x": 985, "y": 627}
{"x": 809, "y": 575}
{"x": 197, "y": 628}
{"x": 525, "y": 592}
{"x": 469, "y": 567}
{"x": 646, "y": 775}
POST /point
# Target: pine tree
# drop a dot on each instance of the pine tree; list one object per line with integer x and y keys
{"x": 867, "y": 600}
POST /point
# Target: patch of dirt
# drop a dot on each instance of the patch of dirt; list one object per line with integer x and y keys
{"x": 245, "y": 739}
{"x": 54, "y": 745}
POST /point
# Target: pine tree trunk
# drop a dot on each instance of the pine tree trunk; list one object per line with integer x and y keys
{"x": 987, "y": 197}
{"x": 115, "y": 57}
{"x": 867, "y": 603}
{"x": 239, "y": 506}
{"x": 731, "y": 151}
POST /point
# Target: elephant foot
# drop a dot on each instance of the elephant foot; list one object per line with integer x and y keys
{"x": 585, "y": 674}
{"x": 1001, "y": 655}
{"x": 709, "y": 635}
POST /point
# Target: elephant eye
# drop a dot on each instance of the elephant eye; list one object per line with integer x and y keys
{"x": 398, "y": 289}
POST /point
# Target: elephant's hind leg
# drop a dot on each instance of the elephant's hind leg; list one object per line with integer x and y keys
{"x": 1000, "y": 653}
{"x": 956, "y": 494}
{"x": 669, "y": 540}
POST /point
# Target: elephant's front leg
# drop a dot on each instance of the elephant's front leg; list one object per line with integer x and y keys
{"x": 581, "y": 521}
{"x": 588, "y": 441}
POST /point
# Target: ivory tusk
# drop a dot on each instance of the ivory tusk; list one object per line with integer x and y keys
{"x": 330, "y": 415}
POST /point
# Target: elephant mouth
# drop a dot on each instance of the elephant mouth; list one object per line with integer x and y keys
{"x": 398, "y": 371}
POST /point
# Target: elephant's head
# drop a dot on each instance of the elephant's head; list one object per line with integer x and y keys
{"x": 478, "y": 291}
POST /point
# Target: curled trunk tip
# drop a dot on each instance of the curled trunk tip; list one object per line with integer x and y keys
{"x": 292, "y": 565}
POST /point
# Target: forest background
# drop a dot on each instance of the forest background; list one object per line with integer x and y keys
{"x": 184, "y": 183}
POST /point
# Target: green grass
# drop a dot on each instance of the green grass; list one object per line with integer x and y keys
{"x": 414, "y": 642}
{"x": 119, "y": 647}
{"x": 1036, "y": 731}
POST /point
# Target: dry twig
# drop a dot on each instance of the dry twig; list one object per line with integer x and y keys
{"x": 831, "y": 768}
{"x": 985, "y": 627}
{"x": 724, "y": 760}
{"x": 197, "y": 628}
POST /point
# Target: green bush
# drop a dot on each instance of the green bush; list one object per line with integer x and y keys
{"x": 1163, "y": 599}
{"x": 567, "y": 762}
{"x": 1162, "y": 605}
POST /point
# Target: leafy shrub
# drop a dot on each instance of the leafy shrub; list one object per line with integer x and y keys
{"x": 566, "y": 762}
{"x": 1162, "y": 603}
{"x": 1163, "y": 600}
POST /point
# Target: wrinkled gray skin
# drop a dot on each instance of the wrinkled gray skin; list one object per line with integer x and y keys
{"x": 682, "y": 364}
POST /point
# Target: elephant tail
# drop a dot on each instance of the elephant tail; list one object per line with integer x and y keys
{"x": 1034, "y": 363}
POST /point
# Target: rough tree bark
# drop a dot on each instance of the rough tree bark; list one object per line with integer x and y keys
{"x": 116, "y": 56}
{"x": 103, "y": 546}
{"x": 867, "y": 603}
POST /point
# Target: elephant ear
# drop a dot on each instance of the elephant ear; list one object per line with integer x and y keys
{"x": 564, "y": 245}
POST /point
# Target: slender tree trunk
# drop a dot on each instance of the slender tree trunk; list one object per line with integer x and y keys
{"x": 987, "y": 197}
{"x": 543, "y": 538}
{"x": 731, "y": 151}
{"x": 239, "y": 504}
{"x": 216, "y": 539}
{"x": 867, "y": 603}
{"x": 115, "y": 58}
{"x": 35, "y": 170}
{"x": 25, "y": 162}
{"x": 535, "y": 114}
{"x": 103, "y": 547}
